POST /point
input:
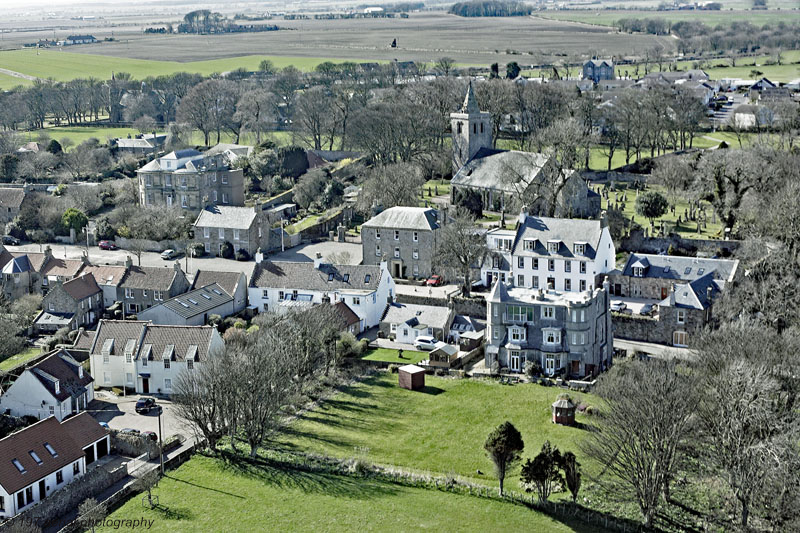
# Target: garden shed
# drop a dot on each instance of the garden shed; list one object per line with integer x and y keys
{"x": 411, "y": 377}
{"x": 564, "y": 411}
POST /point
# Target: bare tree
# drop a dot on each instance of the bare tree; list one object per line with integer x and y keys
{"x": 444, "y": 65}
{"x": 390, "y": 186}
{"x": 461, "y": 248}
{"x": 146, "y": 483}
{"x": 645, "y": 420}
{"x": 91, "y": 513}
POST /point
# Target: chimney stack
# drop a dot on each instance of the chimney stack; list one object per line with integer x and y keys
{"x": 128, "y": 262}
{"x": 672, "y": 295}
{"x": 523, "y": 215}
{"x": 318, "y": 261}
{"x": 177, "y": 266}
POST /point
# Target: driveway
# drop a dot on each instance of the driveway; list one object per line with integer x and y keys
{"x": 634, "y": 305}
{"x": 119, "y": 413}
{"x": 417, "y": 289}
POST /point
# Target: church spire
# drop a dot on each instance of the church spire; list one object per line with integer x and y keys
{"x": 470, "y": 103}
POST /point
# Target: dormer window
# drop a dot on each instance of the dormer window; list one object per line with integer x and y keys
{"x": 528, "y": 245}
{"x": 551, "y": 336}
{"x": 579, "y": 248}
{"x": 553, "y": 246}
{"x": 638, "y": 272}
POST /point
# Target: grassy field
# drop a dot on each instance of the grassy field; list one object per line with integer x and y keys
{"x": 390, "y": 356}
{"x": 207, "y": 494}
{"x": 22, "y": 357}
{"x": 64, "y": 66}
{"x": 440, "y": 429}
{"x": 606, "y": 17}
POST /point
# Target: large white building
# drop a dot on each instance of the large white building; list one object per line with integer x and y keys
{"x": 568, "y": 255}
{"x": 148, "y": 357}
{"x": 282, "y": 285}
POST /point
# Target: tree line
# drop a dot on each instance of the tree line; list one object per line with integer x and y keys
{"x": 490, "y": 8}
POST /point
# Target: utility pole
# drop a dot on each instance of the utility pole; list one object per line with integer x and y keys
{"x": 160, "y": 441}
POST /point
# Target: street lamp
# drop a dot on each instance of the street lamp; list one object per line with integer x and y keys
{"x": 160, "y": 441}
{"x": 284, "y": 222}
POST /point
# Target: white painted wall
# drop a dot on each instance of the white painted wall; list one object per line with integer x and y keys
{"x": 28, "y": 397}
{"x": 10, "y": 500}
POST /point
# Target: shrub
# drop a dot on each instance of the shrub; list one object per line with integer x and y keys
{"x": 242, "y": 255}
{"x": 394, "y": 368}
{"x": 227, "y": 250}
{"x": 240, "y": 324}
{"x": 197, "y": 249}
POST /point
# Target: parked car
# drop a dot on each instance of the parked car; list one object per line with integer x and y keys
{"x": 647, "y": 309}
{"x": 150, "y": 435}
{"x": 104, "y": 425}
{"x": 107, "y": 245}
{"x": 8, "y": 239}
{"x": 169, "y": 254}
{"x": 143, "y": 405}
{"x": 425, "y": 343}
{"x": 435, "y": 281}
{"x": 618, "y": 306}
{"x": 129, "y": 431}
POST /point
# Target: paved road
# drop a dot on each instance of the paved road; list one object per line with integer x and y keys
{"x": 119, "y": 413}
{"x": 307, "y": 252}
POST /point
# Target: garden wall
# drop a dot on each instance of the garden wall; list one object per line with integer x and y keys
{"x": 133, "y": 445}
{"x": 150, "y": 246}
{"x": 637, "y": 242}
{"x": 69, "y": 497}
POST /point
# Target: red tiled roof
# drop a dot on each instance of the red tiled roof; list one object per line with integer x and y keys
{"x": 83, "y": 429}
{"x": 346, "y": 313}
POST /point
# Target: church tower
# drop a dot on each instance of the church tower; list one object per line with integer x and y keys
{"x": 471, "y": 130}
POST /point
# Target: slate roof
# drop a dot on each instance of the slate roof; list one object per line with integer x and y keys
{"x": 178, "y": 342}
{"x": 427, "y": 315}
{"x": 62, "y": 267}
{"x": 47, "y": 318}
{"x": 226, "y": 216}
{"x": 36, "y": 259}
{"x": 33, "y": 438}
{"x": 228, "y": 281}
{"x": 510, "y": 171}
{"x": 60, "y": 366}
{"x": 694, "y": 295}
{"x": 18, "y": 265}
{"x": 81, "y": 287}
{"x": 151, "y": 278}
{"x": 413, "y": 218}
{"x": 195, "y": 302}
{"x": 681, "y": 268}
{"x": 84, "y": 340}
{"x": 120, "y": 331}
{"x": 297, "y": 275}
{"x": 106, "y": 274}
{"x": 599, "y": 62}
{"x": 568, "y": 231}
{"x": 11, "y": 197}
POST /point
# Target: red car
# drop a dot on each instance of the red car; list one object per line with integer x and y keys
{"x": 106, "y": 245}
{"x": 435, "y": 281}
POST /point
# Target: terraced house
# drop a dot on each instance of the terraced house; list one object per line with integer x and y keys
{"x": 147, "y": 357}
{"x": 558, "y": 332}
{"x": 191, "y": 180}
{"x": 72, "y": 304}
{"x": 144, "y": 287}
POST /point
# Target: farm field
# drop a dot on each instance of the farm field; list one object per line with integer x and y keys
{"x": 607, "y": 17}
{"x": 421, "y": 37}
{"x": 440, "y": 430}
{"x": 208, "y": 494}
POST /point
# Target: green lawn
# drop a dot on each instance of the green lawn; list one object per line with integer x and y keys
{"x": 607, "y": 17}
{"x": 390, "y": 356}
{"x": 440, "y": 429}
{"x": 22, "y": 357}
{"x": 436, "y": 188}
{"x": 303, "y": 224}
{"x": 64, "y": 66}
{"x": 208, "y": 494}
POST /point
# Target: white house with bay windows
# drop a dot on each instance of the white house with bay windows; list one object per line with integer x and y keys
{"x": 147, "y": 357}
{"x": 567, "y": 255}
{"x": 278, "y": 286}
{"x": 559, "y": 332}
